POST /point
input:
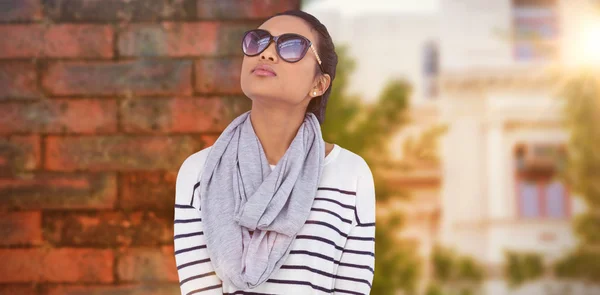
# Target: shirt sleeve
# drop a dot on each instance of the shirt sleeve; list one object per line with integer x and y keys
{"x": 357, "y": 264}
{"x": 196, "y": 272}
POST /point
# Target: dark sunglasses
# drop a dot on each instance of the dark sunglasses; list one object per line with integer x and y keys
{"x": 290, "y": 47}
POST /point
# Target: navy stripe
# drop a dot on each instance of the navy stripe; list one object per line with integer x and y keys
{"x": 190, "y": 249}
{"x": 358, "y": 223}
{"x": 358, "y": 266}
{"x": 188, "y": 235}
{"x": 179, "y": 206}
{"x": 359, "y": 252}
{"x": 306, "y": 237}
{"x": 366, "y": 224}
{"x": 293, "y": 252}
{"x": 332, "y": 213}
{"x": 246, "y": 293}
{"x": 193, "y": 263}
{"x": 195, "y": 187}
{"x": 197, "y": 277}
{"x": 188, "y": 220}
{"x": 334, "y": 201}
{"x": 289, "y": 282}
{"x": 347, "y": 292}
{"x": 327, "y": 225}
{"x": 204, "y": 289}
{"x": 337, "y": 190}
{"x": 323, "y": 273}
{"x": 362, "y": 238}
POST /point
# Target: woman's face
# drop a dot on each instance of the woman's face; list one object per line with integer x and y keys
{"x": 292, "y": 83}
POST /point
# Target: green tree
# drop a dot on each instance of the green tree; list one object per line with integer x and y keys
{"x": 453, "y": 273}
{"x": 366, "y": 129}
{"x": 582, "y": 118}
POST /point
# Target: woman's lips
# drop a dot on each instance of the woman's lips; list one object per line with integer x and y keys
{"x": 264, "y": 70}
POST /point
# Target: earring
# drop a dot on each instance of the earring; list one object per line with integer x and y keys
{"x": 314, "y": 93}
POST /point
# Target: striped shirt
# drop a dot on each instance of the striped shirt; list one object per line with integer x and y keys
{"x": 334, "y": 252}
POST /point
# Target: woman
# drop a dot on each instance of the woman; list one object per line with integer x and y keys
{"x": 271, "y": 208}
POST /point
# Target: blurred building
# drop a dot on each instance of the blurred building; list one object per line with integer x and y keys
{"x": 505, "y": 146}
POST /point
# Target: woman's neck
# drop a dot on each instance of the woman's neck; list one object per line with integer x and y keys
{"x": 275, "y": 130}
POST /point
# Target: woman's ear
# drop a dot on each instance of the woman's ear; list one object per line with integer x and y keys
{"x": 322, "y": 84}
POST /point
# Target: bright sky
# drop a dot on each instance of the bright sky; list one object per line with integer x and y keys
{"x": 354, "y": 7}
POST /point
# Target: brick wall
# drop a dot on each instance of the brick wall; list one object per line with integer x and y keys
{"x": 100, "y": 102}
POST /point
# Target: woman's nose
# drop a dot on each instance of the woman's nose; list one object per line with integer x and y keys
{"x": 269, "y": 54}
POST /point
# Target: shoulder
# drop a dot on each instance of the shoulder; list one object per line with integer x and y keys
{"x": 351, "y": 162}
{"x": 189, "y": 173}
{"x": 194, "y": 162}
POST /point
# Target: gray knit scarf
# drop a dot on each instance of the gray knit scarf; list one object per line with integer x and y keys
{"x": 240, "y": 193}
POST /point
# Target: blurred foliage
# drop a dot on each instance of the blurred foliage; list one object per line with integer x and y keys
{"x": 394, "y": 258}
{"x": 582, "y": 118}
{"x": 454, "y": 274}
{"x": 362, "y": 128}
{"x": 366, "y": 129}
{"x": 522, "y": 267}
{"x": 424, "y": 148}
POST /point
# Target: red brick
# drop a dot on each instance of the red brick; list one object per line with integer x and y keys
{"x": 18, "y": 80}
{"x": 142, "y": 77}
{"x": 58, "y": 191}
{"x": 56, "y": 265}
{"x": 147, "y": 265}
{"x": 59, "y": 116}
{"x": 20, "y": 10}
{"x": 19, "y": 153}
{"x": 249, "y": 9}
{"x": 148, "y": 190}
{"x": 22, "y": 289}
{"x": 109, "y": 153}
{"x": 169, "y": 39}
{"x": 59, "y": 41}
{"x": 105, "y": 229}
{"x": 20, "y": 228}
{"x": 230, "y": 37}
{"x": 113, "y": 10}
{"x": 181, "y": 114}
{"x": 218, "y": 75}
{"x": 127, "y": 289}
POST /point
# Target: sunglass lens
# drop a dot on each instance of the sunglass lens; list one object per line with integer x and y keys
{"x": 292, "y": 48}
{"x": 255, "y": 42}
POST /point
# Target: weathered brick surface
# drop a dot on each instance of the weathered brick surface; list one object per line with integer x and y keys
{"x": 19, "y": 153}
{"x": 181, "y": 115}
{"x": 20, "y": 228}
{"x": 106, "y": 229}
{"x": 58, "y": 41}
{"x": 250, "y": 9}
{"x": 218, "y": 75}
{"x": 120, "y": 153}
{"x": 18, "y": 80}
{"x": 19, "y": 289}
{"x": 64, "y": 265}
{"x": 100, "y": 104}
{"x": 169, "y": 39}
{"x": 58, "y": 191}
{"x": 122, "y": 10}
{"x": 147, "y": 265}
{"x": 20, "y": 10}
{"x": 124, "y": 289}
{"x": 143, "y": 77}
{"x": 148, "y": 190}
{"x": 59, "y": 116}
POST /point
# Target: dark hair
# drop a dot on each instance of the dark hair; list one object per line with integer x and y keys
{"x": 329, "y": 59}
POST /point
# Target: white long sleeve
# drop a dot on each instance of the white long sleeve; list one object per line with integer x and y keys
{"x": 334, "y": 252}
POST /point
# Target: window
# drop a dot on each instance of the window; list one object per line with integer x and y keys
{"x": 430, "y": 69}
{"x": 536, "y": 29}
{"x": 540, "y": 191}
